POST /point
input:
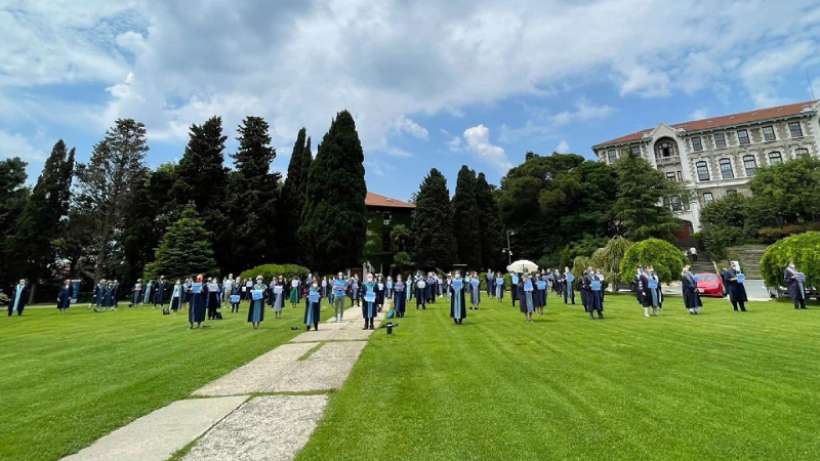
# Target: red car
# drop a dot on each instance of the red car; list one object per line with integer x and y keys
{"x": 710, "y": 284}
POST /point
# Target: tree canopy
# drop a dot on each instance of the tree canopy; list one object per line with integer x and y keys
{"x": 665, "y": 258}
{"x": 433, "y": 223}
{"x": 185, "y": 249}
{"x": 802, "y": 249}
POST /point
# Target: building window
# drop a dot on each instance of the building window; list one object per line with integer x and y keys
{"x": 775, "y": 158}
{"x": 768, "y": 133}
{"x": 679, "y": 175}
{"x": 795, "y": 129}
{"x": 675, "y": 202}
{"x": 670, "y": 175}
{"x": 703, "y": 171}
{"x": 800, "y": 152}
{"x": 708, "y": 198}
{"x": 636, "y": 149}
{"x": 726, "y": 169}
{"x": 697, "y": 144}
{"x": 750, "y": 164}
{"x": 743, "y": 137}
{"x": 612, "y": 155}
{"x": 731, "y": 192}
{"x": 666, "y": 148}
{"x": 720, "y": 140}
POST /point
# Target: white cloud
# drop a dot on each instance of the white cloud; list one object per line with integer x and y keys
{"x": 562, "y": 147}
{"x": 584, "y": 111}
{"x": 477, "y": 139}
{"x": 454, "y": 144}
{"x": 644, "y": 81}
{"x": 16, "y": 145}
{"x": 763, "y": 71}
{"x": 699, "y": 113}
{"x": 407, "y": 125}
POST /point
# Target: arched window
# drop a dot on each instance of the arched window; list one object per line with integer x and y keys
{"x": 750, "y": 164}
{"x": 702, "y": 170}
{"x": 775, "y": 158}
{"x": 666, "y": 148}
{"x": 726, "y": 171}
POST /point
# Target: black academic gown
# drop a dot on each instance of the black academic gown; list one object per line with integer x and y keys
{"x": 64, "y": 298}
{"x": 796, "y": 292}
{"x": 737, "y": 291}
{"x": 689, "y": 287}
{"x": 161, "y": 293}
{"x": 399, "y": 298}
{"x": 196, "y": 305}
{"x": 23, "y": 298}
{"x": 313, "y": 309}
{"x": 462, "y": 310}
{"x": 585, "y": 292}
{"x": 645, "y": 296}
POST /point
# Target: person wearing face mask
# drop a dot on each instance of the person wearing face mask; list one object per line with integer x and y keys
{"x": 196, "y": 301}
{"x": 399, "y": 297}
{"x": 176, "y": 296}
{"x": 294, "y": 292}
{"x": 736, "y": 288}
{"x": 314, "y": 301}
{"x": 339, "y": 290}
{"x": 256, "y": 311}
{"x": 278, "y": 294}
{"x": 795, "y": 281}
{"x": 379, "y": 293}
{"x": 689, "y": 287}
{"x": 369, "y": 305}
{"x": 421, "y": 297}
{"x": 458, "y": 312}
{"x": 475, "y": 291}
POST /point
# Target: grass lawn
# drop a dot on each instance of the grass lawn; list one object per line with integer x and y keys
{"x": 721, "y": 385}
{"x": 66, "y": 380}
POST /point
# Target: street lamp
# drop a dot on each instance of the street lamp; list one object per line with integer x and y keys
{"x": 508, "y": 250}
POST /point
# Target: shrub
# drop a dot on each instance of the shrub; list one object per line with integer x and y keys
{"x": 773, "y": 234}
{"x": 608, "y": 258}
{"x": 803, "y": 249}
{"x": 667, "y": 259}
{"x": 268, "y": 271}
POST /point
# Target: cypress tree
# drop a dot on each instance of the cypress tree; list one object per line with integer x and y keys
{"x": 466, "y": 219}
{"x": 41, "y": 221}
{"x": 185, "y": 249}
{"x": 433, "y": 223}
{"x": 253, "y": 198}
{"x": 13, "y": 196}
{"x": 335, "y": 219}
{"x": 292, "y": 200}
{"x": 202, "y": 178}
{"x": 489, "y": 223}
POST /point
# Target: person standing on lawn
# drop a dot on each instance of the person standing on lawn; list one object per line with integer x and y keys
{"x": 294, "y": 291}
{"x": 421, "y": 296}
{"x": 689, "y": 287}
{"x": 457, "y": 310}
{"x": 213, "y": 300}
{"x": 278, "y": 296}
{"x": 514, "y": 279}
{"x": 490, "y": 279}
{"x": 64, "y": 297}
{"x": 525, "y": 296}
{"x": 499, "y": 286}
{"x": 795, "y": 281}
{"x": 369, "y": 305}
{"x": 380, "y": 293}
{"x": 399, "y": 297}
{"x": 354, "y": 290}
{"x": 475, "y": 291}
{"x": 569, "y": 289}
{"x": 256, "y": 310}
{"x": 176, "y": 296}
{"x": 18, "y": 298}
{"x": 314, "y": 302}
{"x": 541, "y": 293}
{"x": 161, "y": 294}
{"x": 736, "y": 287}
{"x": 136, "y": 294}
{"x": 339, "y": 290}
{"x": 197, "y": 301}
{"x": 596, "y": 295}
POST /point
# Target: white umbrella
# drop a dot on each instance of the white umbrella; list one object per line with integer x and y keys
{"x": 523, "y": 265}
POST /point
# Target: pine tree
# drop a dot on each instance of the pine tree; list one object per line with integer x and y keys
{"x": 638, "y": 209}
{"x": 13, "y": 196}
{"x": 185, "y": 249}
{"x": 466, "y": 219}
{"x": 201, "y": 178}
{"x": 334, "y": 220}
{"x": 106, "y": 186}
{"x": 42, "y": 219}
{"x": 489, "y": 223}
{"x": 253, "y": 191}
{"x": 292, "y": 200}
{"x": 433, "y": 223}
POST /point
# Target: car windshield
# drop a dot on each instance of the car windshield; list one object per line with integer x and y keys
{"x": 706, "y": 277}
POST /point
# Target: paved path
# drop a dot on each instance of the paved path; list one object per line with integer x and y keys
{"x": 264, "y": 410}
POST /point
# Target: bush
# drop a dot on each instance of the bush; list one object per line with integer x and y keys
{"x": 666, "y": 258}
{"x": 803, "y": 249}
{"x": 268, "y": 271}
{"x": 716, "y": 238}
{"x": 608, "y": 258}
{"x": 773, "y": 234}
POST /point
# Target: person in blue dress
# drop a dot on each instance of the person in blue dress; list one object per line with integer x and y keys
{"x": 735, "y": 285}
{"x": 457, "y": 310}
{"x": 314, "y": 302}
{"x": 64, "y": 297}
{"x": 595, "y": 304}
{"x": 399, "y": 297}
{"x": 569, "y": 289}
{"x": 196, "y": 302}
{"x": 499, "y": 286}
{"x": 256, "y": 309}
{"x": 369, "y": 304}
{"x": 475, "y": 291}
{"x": 526, "y": 296}
{"x": 795, "y": 282}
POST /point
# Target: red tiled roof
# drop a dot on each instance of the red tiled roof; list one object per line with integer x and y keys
{"x": 380, "y": 200}
{"x": 725, "y": 120}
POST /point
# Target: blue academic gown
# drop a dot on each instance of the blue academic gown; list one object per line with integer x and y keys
{"x": 314, "y": 301}
{"x": 64, "y": 298}
{"x": 17, "y": 300}
{"x": 196, "y": 305}
{"x": 457, "y": 310}
{"x": 399, "y": 298}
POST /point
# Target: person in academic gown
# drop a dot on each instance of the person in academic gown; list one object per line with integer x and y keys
{"x": 114, "y": 289}
{"x": 569, "y": 289}
{"x": 161, "y": 294}
{"x": 176, "y": 296}
{"x": 18, "y": 298}
{"x": 256, "y": 310}
{"x": 654, "y": 296}
{"x": 737, "y": 290}
{"x": 457, "y": 310}
{"x": 355, "y": 291}
{"x": 196, "y": 302}
{"x": 540, "y": 298}
{"x": 96, "y": 300}
{"x": 399, "y": 297}
{"x": 369, "y": 304}
{"x": 214, "y": 299}
{"x": 795, "y": 281}
{"x": 514, "y": 279}
{"x": 64, "y": 297}
{"x": 388, "y": 286}
{"x": 149, "y": 289}
{"x": 490, "y": 279}
{"x": 691, "y": 296}
{"x": 595, "y": 302}
{"x": 526, "y": 295}
{"x": 227, "y": 288}
{"x": 475, "y": 291}
{"x": 314, "y": 301}
{"x": 339, "y": 294}
{"x": 586, "y": 280}
{"x": 421, "y": 293}
{"x": 235, "y": 295}
{"x": 380, "y": 293}
{"x": 294, "y": 292}
{"x": 136, "y": 294}
{"x": 277, "y": 296}
{"x": 499, "y": 286}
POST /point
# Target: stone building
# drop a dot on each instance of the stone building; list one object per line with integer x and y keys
{"x": 717, "y": 156}
{"x": 384, "y": 213}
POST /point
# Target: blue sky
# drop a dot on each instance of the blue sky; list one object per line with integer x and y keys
{"x": 431, "y": 84}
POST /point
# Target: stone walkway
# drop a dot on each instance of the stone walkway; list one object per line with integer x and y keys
{"x": 264, "y": 410}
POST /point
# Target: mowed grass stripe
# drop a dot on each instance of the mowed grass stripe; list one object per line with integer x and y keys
{"x": 68, "y": 379}
{"x": 720, "y": 385}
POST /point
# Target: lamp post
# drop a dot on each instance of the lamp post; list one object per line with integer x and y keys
{"x": 508, "y": 250}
